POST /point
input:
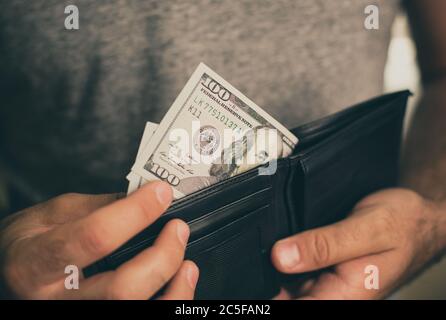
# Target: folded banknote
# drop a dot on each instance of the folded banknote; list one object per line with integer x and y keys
{"x": 210, "y": 133}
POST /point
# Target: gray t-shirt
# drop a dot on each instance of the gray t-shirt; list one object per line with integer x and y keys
{"x": 74, "y": 103}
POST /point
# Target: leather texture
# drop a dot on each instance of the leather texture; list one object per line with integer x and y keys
{"x": 234, "y": 223}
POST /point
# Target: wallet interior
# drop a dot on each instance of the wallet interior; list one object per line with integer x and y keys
{"x": 234, "y": 223}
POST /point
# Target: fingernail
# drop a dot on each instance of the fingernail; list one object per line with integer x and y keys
{"x": 183, "y": 232}
{"x": 192, "y": 276}
{"x": 163, "y": 193}
{"x": 288, "y": 253}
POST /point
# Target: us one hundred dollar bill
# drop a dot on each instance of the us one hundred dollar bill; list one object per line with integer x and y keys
{"x": 210, "y": 133}
{"x": 136, "y": 181}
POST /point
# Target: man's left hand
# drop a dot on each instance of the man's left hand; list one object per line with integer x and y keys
{"x": 395, "y": 231}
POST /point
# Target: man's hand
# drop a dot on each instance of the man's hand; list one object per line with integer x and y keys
{"x": 395, "y": 230}
{"x": 38, "y": 243}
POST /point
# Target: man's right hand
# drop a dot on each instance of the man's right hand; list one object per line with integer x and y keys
{"x": 37, "y": 244}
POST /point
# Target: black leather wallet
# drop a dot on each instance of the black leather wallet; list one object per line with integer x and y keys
{"x": 234, "y": 223}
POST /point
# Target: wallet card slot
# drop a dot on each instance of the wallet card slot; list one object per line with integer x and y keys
{"x": 221, "y": 234}
{"x": 206, "y": 223}
{"x": 215, "y": 188}
{"x": 202, "y": 224}
{"x": 227, "y": 256}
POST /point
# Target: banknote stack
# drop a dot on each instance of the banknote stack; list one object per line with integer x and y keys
{"x": 210, "y": 133}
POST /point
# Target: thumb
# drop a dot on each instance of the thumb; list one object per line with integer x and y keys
{"x": 73, "y": 206}
{"x": 367, "y": 232}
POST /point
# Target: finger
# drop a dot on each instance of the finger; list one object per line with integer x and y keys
{"x": 144, "y": 275}
{"x": 182, "y": 286}
{"x": 364, "y": 278}
{"x": 90, "y": 238}
{"x": 367, "y": 232}
{"x": 62, "y": 209}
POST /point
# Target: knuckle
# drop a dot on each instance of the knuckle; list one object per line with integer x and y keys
{"x": 93, "y": 241}
{"x": 389, "y": 228}
{"x": 67, "y": 197}
{"x": 411, "y": 197}
{"x": 171, "y": 259}
{"x": 168, "y": 264}
{"x": 172, "y": 254}
{"x": 143, "y": 208}
{"x": 64, "y": 201}
{"x": 321, "y": 251}
{"x": 386, "y": 220}
{"x": 160, "y": 276}
{"x": 72, "y": 196}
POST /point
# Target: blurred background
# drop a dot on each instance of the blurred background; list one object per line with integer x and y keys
{"x": 401, "y": 73}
